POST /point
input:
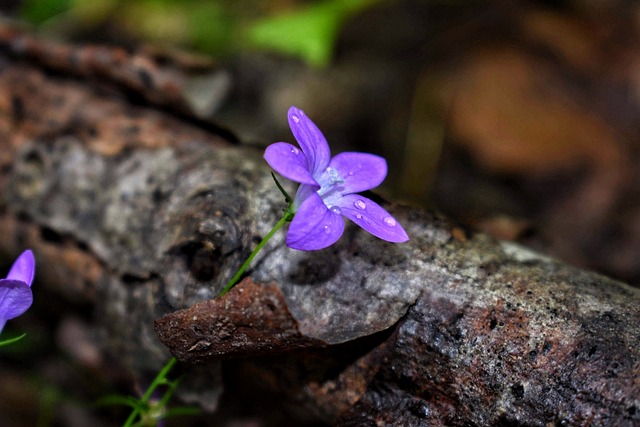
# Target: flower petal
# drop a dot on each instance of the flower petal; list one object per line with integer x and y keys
{"x": 360, "y": 171}
{"x": 15, "y": 298}
{"x": 289, "y": 162}
{"x": 311, "y": 140}
{"x": 370, "y": 216}
{"x": 304, "y": 191}
{"x": 314, "y": 226}
{"x": 23, "y": 268}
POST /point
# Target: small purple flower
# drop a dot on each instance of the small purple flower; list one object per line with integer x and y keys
{"x": 15, "y": 290}
{"x": 328, "y": 188}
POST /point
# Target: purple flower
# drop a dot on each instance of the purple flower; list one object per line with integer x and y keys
{"x": 328, "y": 188}
{"x": 15, "y": 290}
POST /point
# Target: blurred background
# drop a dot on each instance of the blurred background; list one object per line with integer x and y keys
{"x": 516, "y": 118}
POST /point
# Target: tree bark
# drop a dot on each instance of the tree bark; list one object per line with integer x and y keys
{"x": 134, "y": 204}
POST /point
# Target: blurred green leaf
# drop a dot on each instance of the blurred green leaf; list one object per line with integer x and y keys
{"x": 218, "y": 27}
{"x": 211, "y": 27}
{"x": 38, "y": 11}
{"x": 308, "y": 33}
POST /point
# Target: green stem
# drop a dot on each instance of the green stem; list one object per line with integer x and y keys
{"x": 287, "y": 197}
{"x": 12, "y": 340}
{"x": 285, "y": 218}
{"x": 159, "y": 379}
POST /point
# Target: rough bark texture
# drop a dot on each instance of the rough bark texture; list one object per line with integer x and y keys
{"x": 143, "y": 212}
{"x": 251, "y": 320}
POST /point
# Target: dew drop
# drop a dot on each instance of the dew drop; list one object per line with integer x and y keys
{"x": 360, "y": 204}
{"x": 295, "y": 118}
{"x": 327, "y": 230}
{"x": 390, "y": 221}
{"x": 350, "y": 173}
{"x": 295, "y": 150}
{"x": 336, "y": 209}
{"x": 359, "y": 216}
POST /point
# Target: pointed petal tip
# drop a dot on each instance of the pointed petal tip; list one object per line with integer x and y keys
{"x": 289, "y": 162}
{"x": 295, "y": 110}
{"x": 311, "y": 140}
{"x": 303, "y": 246}
{"x": 295, "y": 116}
{"x": 395, "y": 232}
{"x": 309, "y": 245}
{"x": 23, "y": 268}
{"x": 392, "y": 234}
{"x": 315, "y": 241}
{"x": 372, "y": 218}
{"x": 28, "y": 254}
{"x": 401, "y": 237}
{"x": 28, "y": 258}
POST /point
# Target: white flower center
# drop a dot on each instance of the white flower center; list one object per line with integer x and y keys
{"x": 331, "y": 188}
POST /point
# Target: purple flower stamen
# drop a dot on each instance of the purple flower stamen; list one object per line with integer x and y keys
{"x": 15, "y": 290}
{"x": 328, "y": 187}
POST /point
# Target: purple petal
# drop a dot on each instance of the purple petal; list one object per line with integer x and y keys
{"x": 360, "y": 171}
{"x": 313, "y": 143}
{"x": 304, "y": 191}
{"x": 15, "y": 298}
{"x": 370, "y": 216}
{"x": 23, "y": 268}
{"x": 289, "y": 162}
{"x": 314, "y": 226}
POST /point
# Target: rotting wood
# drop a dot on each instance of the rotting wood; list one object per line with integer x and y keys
{"x": 145, "y": 214}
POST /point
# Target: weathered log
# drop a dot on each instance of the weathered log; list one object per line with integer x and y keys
{"x": 147, "y": 215}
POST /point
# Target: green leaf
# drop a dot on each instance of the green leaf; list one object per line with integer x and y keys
{"x": 287, "y": 197}
{"x": 309, "y": 33}
{"x": 38, "y": 11}
{"x": 12, "y": 340}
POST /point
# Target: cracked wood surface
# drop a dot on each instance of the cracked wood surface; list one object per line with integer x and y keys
{"x": 146, "y": 214}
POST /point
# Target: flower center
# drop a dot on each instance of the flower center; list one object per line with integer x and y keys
{"x": 331, "y": 187}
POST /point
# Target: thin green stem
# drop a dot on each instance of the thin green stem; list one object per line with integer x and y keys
{"x": 287, "y": 197}
{"x": 285, "y": 218}
{"x": 12, "y": 340}
{"x": 159, "y": 379}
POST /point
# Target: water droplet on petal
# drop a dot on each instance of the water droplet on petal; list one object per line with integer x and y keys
{"x": 390, "y": 221}
{"x": 295, "y": 118}
{"x": 295, "y": 150}
{"x": 327, "y": 230}
{"x": 359, "y": 216}
{"x": 360, "y": 204}
{"x": 350, "y": 173}
{"x": 336, "y": 209}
